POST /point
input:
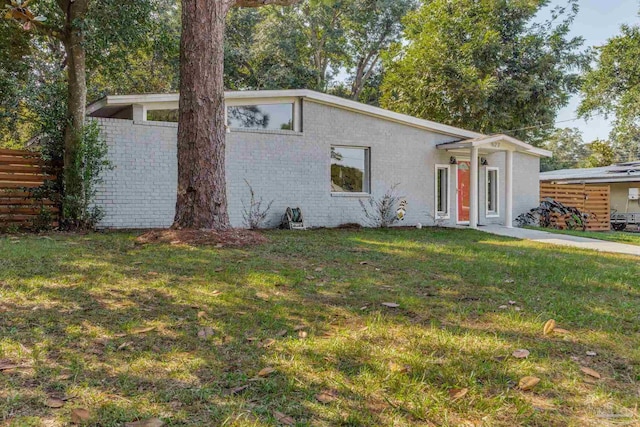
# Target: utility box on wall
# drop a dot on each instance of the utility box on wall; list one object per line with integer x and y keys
{"x": 634, "y": 194}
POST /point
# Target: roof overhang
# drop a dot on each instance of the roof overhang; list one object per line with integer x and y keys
{"x": 601, "y": 180}
{"x": 170, "y": 101}
{"x": 494, "y": 143}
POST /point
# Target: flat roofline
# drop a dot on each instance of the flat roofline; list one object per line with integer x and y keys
{"x": 322, "y": 98}
{"x": 611, "y": 180}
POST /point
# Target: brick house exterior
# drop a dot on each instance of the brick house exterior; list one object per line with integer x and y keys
{"x": 293, "y": 167}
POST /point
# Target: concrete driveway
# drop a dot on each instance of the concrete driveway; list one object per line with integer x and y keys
{"x": 562, "y": 239}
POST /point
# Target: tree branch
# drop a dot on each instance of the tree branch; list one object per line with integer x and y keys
{"x": 260, "y": 3}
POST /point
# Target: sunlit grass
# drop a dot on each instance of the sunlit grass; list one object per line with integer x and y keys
{"x": 309, "y": 305}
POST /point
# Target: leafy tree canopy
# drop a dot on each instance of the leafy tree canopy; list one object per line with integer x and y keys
{"x": 569, "y": 151}
{"x": 486, "y": 66}
{"x": 612, "y": 87}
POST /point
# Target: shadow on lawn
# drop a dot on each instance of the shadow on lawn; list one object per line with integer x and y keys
{"x": 80, "y": 303}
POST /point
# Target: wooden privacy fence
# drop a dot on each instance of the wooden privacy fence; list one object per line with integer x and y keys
{"x": 592, "y": 200}
{"x": 22, "y": 202}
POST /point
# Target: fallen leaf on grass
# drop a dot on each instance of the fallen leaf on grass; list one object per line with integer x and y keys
{"x": 281, "y": 333}
{"x": 238, "y": 389}
{"x": 549, "y": 327}
{"x": 364, "y": 262}
{"x": 263, "y": 296}
{"x": 202, "y": 315}
{"x": 520, "y": 353}
{"x": 152, "y": 422}
{"x": 590, "y": 372}
{"x": 458, "y": 393}
{"x": 53, "y": 402}
{"x": 391, "y": 304}
{"x": 299, "y": 327}
{"x": 395, "y": 367}
{"x": 125, "y": 345}
{"x": 7, "y": 366}
{"x": 143, "y": 330}
{"x": 267, "y": 343}
{"x": 326, "y": 396}
{"x": 527, "y": 383}
{"x": 560, "y": 331}
{"x": 80, "y": 415}
{"x": 205, "y": 333}
{"x": 265, "y": 372}
{"x": 302, "y": 334}
{"x": 283, "y": 419}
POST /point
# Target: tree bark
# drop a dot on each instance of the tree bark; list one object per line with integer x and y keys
{"x": 202, "y": 184}
{"x": 202, "y": 193}
{"x": 76, "y": 106}
{"x": 73, "y": 40}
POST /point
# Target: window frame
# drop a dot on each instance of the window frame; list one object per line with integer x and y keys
{"x": 367, "y": 173}
{"x": 438, "y": 214}
{"x": 492, "y": 213}
{"x": 242, "y": 102}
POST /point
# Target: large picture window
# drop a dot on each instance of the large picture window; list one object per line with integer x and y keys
{"x": 350, "y": 170}
{"x": 442, "y": 191}
{"x": 261, "y": 117}
{"x": 492, "y": 192}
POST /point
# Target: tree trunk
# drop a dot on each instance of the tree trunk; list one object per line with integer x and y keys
{"x": 202, "y": 193}
{"x": 76, "y": 107}
{"x": 73, "y": 40}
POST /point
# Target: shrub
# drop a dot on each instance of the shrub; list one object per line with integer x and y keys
{"x": 382, "y": 212}
{"x": 254, "y": 214}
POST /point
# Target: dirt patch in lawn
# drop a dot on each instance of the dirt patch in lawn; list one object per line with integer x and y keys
{"x": 229, "y": 238}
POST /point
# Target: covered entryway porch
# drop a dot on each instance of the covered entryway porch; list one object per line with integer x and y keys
{"x": 476, "y": 148}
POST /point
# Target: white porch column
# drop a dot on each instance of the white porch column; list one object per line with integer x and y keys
{"x": 508, "y": 212}
{"x": 473, "y": 197}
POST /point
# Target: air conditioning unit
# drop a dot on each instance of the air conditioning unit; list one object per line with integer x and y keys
{"x": 634, "y": 194}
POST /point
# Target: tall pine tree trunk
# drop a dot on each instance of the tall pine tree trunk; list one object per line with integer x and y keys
{"x": 202, "y": 193}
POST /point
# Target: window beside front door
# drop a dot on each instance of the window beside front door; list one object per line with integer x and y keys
{"x": 492, "y": 192}
{"x": 442, "y": 191}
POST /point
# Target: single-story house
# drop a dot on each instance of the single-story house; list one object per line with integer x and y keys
{"x": 319, "y": 152}
{"x": 623, "y": 180}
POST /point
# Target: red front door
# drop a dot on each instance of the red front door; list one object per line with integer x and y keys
{"x": 464, "y": 183}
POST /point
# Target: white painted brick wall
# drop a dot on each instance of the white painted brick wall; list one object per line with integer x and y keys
{"x": 292, "y": 169}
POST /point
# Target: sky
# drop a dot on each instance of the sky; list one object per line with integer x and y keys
{"x": 597, "y": 21}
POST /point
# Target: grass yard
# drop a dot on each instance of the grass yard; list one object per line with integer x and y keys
{"x": 185, "y": 333}
{"x": 630, "y": 238}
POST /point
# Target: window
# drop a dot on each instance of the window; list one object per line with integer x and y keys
{"x": 261, "y": 117}
{"x": 492, "y": 191}
{"x": 162, "y": 116}
{"x": 442, "y": 191}
{"x": 349, "y": 170}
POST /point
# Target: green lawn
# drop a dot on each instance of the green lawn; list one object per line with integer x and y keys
{"x": 630, "y": 238}
{"x": 75, "y": 313}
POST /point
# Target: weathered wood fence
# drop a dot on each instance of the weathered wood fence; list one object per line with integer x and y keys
{"x": 22, "y": 202}
{"x": 590, "y": 199}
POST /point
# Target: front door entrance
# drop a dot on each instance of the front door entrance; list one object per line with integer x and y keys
{"x": 464, "y": 185}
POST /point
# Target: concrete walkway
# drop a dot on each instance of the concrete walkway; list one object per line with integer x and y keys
{"x": 562, "y": 239}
